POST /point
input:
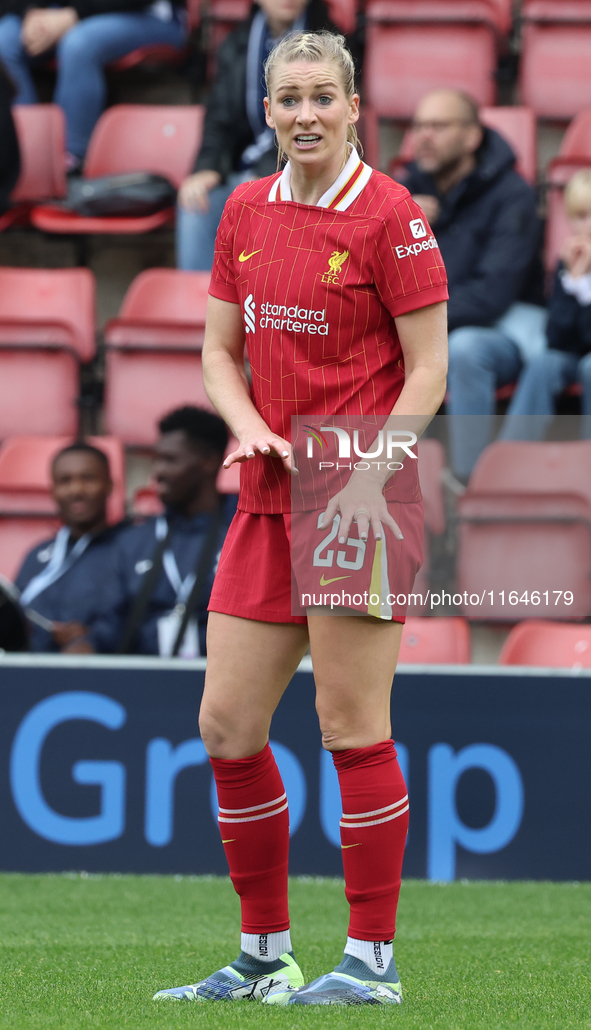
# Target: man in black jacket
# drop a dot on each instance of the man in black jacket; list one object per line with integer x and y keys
{"x": 86, "y": 35}
{"x": 10, "y": 162}
{"x": 484, "y": 218}
{"x": 237, "y": 143}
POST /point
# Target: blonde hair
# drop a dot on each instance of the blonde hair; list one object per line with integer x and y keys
{"x": 578, "y": 192}
{"x": 315, "y": 47}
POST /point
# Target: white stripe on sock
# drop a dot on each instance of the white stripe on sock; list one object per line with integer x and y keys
{"x": 266, "y": 946}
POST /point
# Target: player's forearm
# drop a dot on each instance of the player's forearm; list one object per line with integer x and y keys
{"x": 227, "y": 387}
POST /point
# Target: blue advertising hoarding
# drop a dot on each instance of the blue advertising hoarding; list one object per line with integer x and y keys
{"x": 102, "y": 769}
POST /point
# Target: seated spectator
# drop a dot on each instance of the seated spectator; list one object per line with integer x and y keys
{"x": 160, "y": 560}
{"x": 568, "y": 359}
{"x": 84, "y": 37}
{"x": 68, "y": 579}
{"x": 237, "y": 143}
{"x": 484, "y": 218}
{"x": 9, "y": 149}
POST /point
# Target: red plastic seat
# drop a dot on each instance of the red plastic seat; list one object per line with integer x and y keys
{"x": 46, "y": 331}
{"x": 555, "y": 79}
{"x": 153, "y": 361}
{"x": 133, "y": 138}
{"x": 27, "y": 510}
{"x": 431, "y": 465}
{"x": 550, "y": 644}
{"x": 436, "y": 641}
{"x": 516, "y": 124}
{"x": 525, "y": 526}
{"x": 403, "y": 62}
{"x": 497, "y": 13}
{"x": 41, "y": 132}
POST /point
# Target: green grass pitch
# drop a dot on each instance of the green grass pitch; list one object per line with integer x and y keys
{"x": 89, "y": 951}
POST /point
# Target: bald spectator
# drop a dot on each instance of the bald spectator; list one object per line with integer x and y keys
{"x": 484, "y": 217}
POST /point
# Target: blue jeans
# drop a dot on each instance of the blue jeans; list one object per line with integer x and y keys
{"x": 196, "y": 230}
{"x": 532, "y": 406}
{"x": 480, "y": 360}
{"x": 81, "y": 55}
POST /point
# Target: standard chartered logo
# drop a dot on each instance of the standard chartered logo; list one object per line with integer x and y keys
{"x": 249, "y": 316}
{"x": 279, "y": 316}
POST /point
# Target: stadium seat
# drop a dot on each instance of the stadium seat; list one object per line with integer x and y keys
{"x": 132, "y": 138}
{"x": 525, "y": 526}
{"x": 41, "y": 132}
{"x": 555, "y": 79}
{"x": 153, "y": 360}
{"x": 435, "y": 641}
{"x": 27, "y": 510}
{"x": 412, "y": 49}
{"x": 516, "y": 124}
{"x": 553, "y": 644}
{"x": 46, "y": 331}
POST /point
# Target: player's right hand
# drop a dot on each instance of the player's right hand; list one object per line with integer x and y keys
{"x": 266, "y": 444}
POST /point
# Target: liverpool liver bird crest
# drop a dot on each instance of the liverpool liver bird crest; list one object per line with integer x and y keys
{"x": 337, "y": 260}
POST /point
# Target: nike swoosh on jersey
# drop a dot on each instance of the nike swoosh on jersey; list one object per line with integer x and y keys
{"x": 343, "y": 846}
{"x": 229, "y": 841}
{"x": 325, "y": 582}
{"x": 245, "y": 257}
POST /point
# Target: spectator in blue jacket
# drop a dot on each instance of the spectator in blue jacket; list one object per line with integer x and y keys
{"x": 484, "y": 217}
{"x": 189, "y": 454}
{"x": 568, "y": 358}
{"x": 68, "y": 579}
{"x": 84, "y": 36}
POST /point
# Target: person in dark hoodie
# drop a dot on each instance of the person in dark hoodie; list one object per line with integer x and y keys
{"x": 484, "y": 218}
{"x": 83, "y": 37}
{"x": 237, "y": 143}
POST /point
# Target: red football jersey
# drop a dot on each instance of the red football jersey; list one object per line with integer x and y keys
{"x": 319, "y": 287}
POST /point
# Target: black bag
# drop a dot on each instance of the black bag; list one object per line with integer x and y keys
{"x": 132, "y": 195}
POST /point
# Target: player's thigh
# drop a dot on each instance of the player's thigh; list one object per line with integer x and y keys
{"x": 249, "y": 665}
{"x": 354, "y": 659}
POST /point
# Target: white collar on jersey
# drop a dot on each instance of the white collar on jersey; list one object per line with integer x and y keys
{"x": 344, "y": 190}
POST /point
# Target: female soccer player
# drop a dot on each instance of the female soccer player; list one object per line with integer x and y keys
{"x": 330, "y": 274}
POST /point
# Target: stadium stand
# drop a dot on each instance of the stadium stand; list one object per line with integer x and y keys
{"x": 412, "y": 49}
{"x": 153, "y": 361}
{"x": 516, "y": 124}
{"x": 443, "y": 641}
{"x": 46, "y": 332}
{"x": 41, "y": 130}
{"x": 27, "y": 511}
{"x": 550, "y": 644}
{"x": 525, "y": 525}
{"x": 554, "y": 73}
{"x": 132, "y": 138}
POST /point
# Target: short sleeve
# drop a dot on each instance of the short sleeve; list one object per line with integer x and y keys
{"x": 223, "y": 276}
{"x": 408, "y": 269}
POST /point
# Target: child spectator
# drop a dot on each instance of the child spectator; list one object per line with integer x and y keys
{"x": 568, "y": 358}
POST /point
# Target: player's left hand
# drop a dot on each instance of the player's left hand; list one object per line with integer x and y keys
{"x": 363, "y": 502}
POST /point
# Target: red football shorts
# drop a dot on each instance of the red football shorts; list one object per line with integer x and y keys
{"x": 274, "y": 567}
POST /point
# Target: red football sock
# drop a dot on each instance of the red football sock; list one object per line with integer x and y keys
{"x": 373, "y": 835}
{"x": 254, "y": 824}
